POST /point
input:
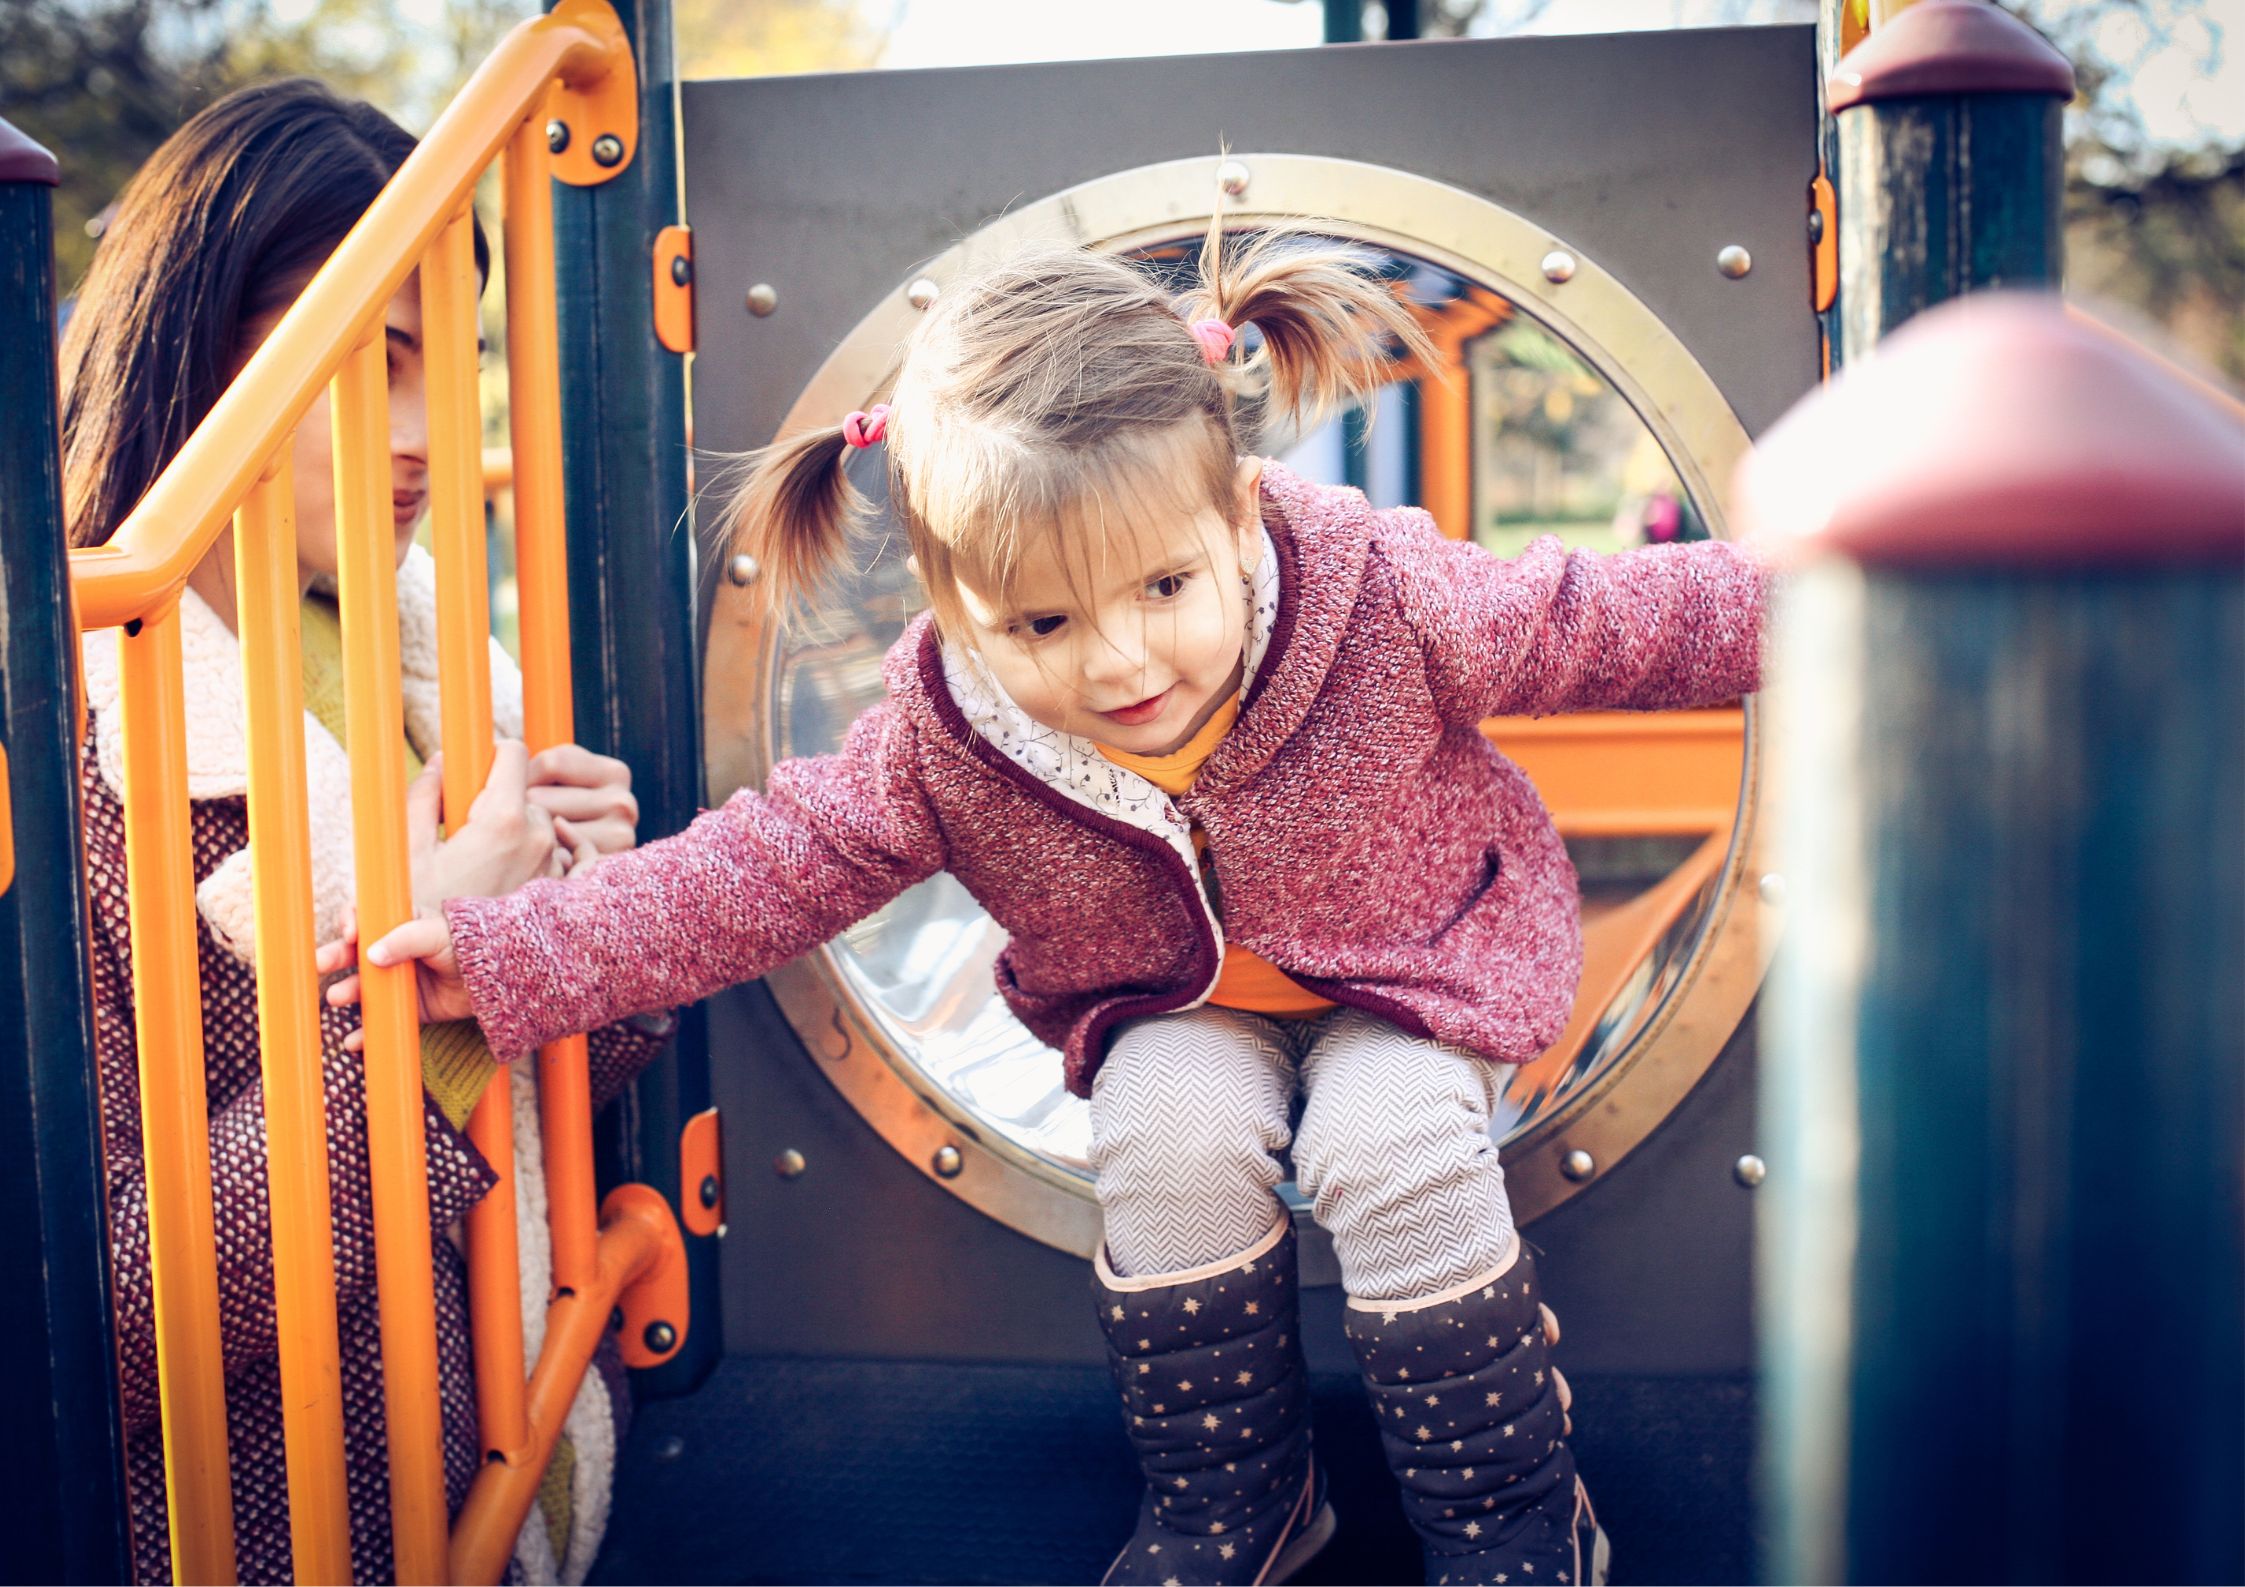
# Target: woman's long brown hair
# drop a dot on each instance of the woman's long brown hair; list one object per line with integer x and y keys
{"x": 224, "y": 224}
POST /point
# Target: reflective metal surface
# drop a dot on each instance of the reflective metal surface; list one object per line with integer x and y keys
{"x": 1588, "y": 415}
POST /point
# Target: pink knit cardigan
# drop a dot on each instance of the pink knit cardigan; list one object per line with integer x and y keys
{"x": 1366, "y": 838}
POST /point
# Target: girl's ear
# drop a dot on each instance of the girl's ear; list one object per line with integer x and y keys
{"x": 1247, "y": 515}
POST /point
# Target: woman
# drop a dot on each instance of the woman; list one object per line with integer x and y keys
{"x": 210, "y": 244}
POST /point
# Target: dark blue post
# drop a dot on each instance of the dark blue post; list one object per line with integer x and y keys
{"x": 2003, "y": 1254}
{"x": 58, "y": 1395}
{"x": 1950, "y": 168}
{"x": 631, "y": 582}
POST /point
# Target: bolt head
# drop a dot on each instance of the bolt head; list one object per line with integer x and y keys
{"x": 709, "y": 1190}
{"x": 763, "y": 298}
{"x": 1749, "y": 1170}
{"x": 669, "y": 1447}
{"x": 1233, "y": 176}
{"x": 1734, "y": 261}
{"x": 790, "y": 1164}
{"x": 1816, "y": 225}
{"x": 557, "y": 136}
{"x": 744, "y": 570}
{"x": 948, "y": 1162}
{"x": 659, "y": 1336}
{"x": 616, "y": 1320}
{"x": 922, "y": 293}
{"x": 1558, "y": 266}
{"x": 1578, "y": 1165}
{"x": 1772, "y": 888}
{"x": 608, "y": 151}
{"x": 681, "y": 270}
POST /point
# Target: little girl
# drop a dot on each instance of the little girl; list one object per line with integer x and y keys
{"x": 1204, "y": 738}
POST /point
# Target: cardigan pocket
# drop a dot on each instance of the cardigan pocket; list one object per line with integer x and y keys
{"x": 1492, "y": 866}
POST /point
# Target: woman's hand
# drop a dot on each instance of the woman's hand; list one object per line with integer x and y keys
{"x": 426, "y": 944}
{"x": 586, "y": 794}
{"x": 506, "y": 839}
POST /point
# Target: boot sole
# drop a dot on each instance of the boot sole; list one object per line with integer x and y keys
{"x": 1303, "y": 1547}
{"x": 1601, "y": 1556}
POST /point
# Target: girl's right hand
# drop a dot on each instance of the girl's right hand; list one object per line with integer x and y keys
{"x": 426, "y": 944}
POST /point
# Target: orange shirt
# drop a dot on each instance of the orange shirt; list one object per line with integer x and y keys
{"x": 1246, "y": 980}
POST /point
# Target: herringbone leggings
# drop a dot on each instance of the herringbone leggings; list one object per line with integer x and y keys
{"x": 1190, "y": 1111}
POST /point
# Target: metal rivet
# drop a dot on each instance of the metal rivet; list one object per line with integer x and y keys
{"x": 922, "y": 293}
{"x": 557, "y": 136}
{"x": 1578, "y": 1165}
{"x": 1749, "y": 1170}
{"x": 659, "y": 1336}
{"x": 762, "y": 299}
{"x": 1233, "y": 177}
{"x": 608, "y": 151}
{"x": 669, "y": 1447}
{"x": 789, "y": 1164}
{"x": 1772, "y": 888}
{"x": 743, "y": 570}
{"x": 1558, "y": 265}
{"x": 709, "y": 1190}
{"x": 1734, "y": 261}
{"x": 948, "y": 1162}
{"x": 681, "y": 270}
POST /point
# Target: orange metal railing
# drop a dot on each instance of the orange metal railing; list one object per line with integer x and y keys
{"x": 572, "y": 66}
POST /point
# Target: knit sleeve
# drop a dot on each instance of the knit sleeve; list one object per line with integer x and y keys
{"x": 743, "y": 890}
{"x": 1555, "y": 630}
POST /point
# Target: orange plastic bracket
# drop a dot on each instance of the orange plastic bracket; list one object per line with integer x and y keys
{"x": 596, "y": 106}
{"x": 674, "y": 288}
{"x": 7, "y": 828}
{"x": 701, "y": 1173}
{"x": 655, "y": 1306}
{"x": 1824, "y": 251}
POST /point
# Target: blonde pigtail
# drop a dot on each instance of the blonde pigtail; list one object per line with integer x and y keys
{"x": 1333, "y": 330}
{"x": 793, "y": 511}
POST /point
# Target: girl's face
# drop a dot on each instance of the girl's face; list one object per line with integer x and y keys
{"x": 311, "y": 449}
{"x": 1128, "y": 632}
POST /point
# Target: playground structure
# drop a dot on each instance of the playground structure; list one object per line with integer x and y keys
{"x": 1930, "y": 173}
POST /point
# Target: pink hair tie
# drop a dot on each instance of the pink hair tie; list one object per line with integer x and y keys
{"x": 1215, "y": 338}
{"x": 867, "y": 425}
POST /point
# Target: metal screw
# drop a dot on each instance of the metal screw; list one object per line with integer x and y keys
{"x": 1578, "y": 1165}
{"x": 743, "y": 570}
{"x": 1558, "y": 265}
{"x": 709, "y": 1190}
{"x": 1815, "y": 225}
{"x": 922, "y": 293}
{"x": 789, "y": 1164}
{"x": 948, "y": 1162}
{"x": 1749, "y": 1170}
{"x": 608, "y": 151}
{"x": 1734, "y": 261}
{"x": 1232, "y": 177}
{"x": 1772, "y": 888}
{"x": 659, "y": 1336}
{"x": 669, "y": 1447}
{"x": 762, "y": 299}
{"x": 557, "y": 136}
{"x": 681, "y": 270}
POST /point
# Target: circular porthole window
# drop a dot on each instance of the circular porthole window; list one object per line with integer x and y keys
{"x": 1558, "y": 404}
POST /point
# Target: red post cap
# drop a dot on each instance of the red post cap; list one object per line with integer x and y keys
{"x": 1949, "y": 47}
{"x": 22, "y": 160}
{"x": 2001, "y": 430}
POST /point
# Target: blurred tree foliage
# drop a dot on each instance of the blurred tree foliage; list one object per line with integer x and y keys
{"x": 103, "y": 82}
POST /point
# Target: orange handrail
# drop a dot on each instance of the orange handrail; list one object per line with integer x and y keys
{"x": 266, "y": 599}
{"x": 236, "y": 463}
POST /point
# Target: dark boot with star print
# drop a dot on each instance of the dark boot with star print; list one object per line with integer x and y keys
{"x": 1217, "y": 1404}
{"x": 1474, "y": 1418}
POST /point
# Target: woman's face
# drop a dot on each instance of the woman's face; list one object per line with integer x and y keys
{"x": 312, "y": 451}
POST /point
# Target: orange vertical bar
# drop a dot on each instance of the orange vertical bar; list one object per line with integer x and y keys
{"x": 366, "y": 544}
{"x": 174, "y": 1105}
{"x": 288, "y": 1028}
{"x": 542, "y": 575}
{"x": 448, "y": 320}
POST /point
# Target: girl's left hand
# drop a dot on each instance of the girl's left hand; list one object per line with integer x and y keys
{"x": 589, "y": 796}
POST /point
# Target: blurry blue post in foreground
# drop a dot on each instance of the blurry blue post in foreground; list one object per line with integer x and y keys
{"x": 2003, "y": 1250}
